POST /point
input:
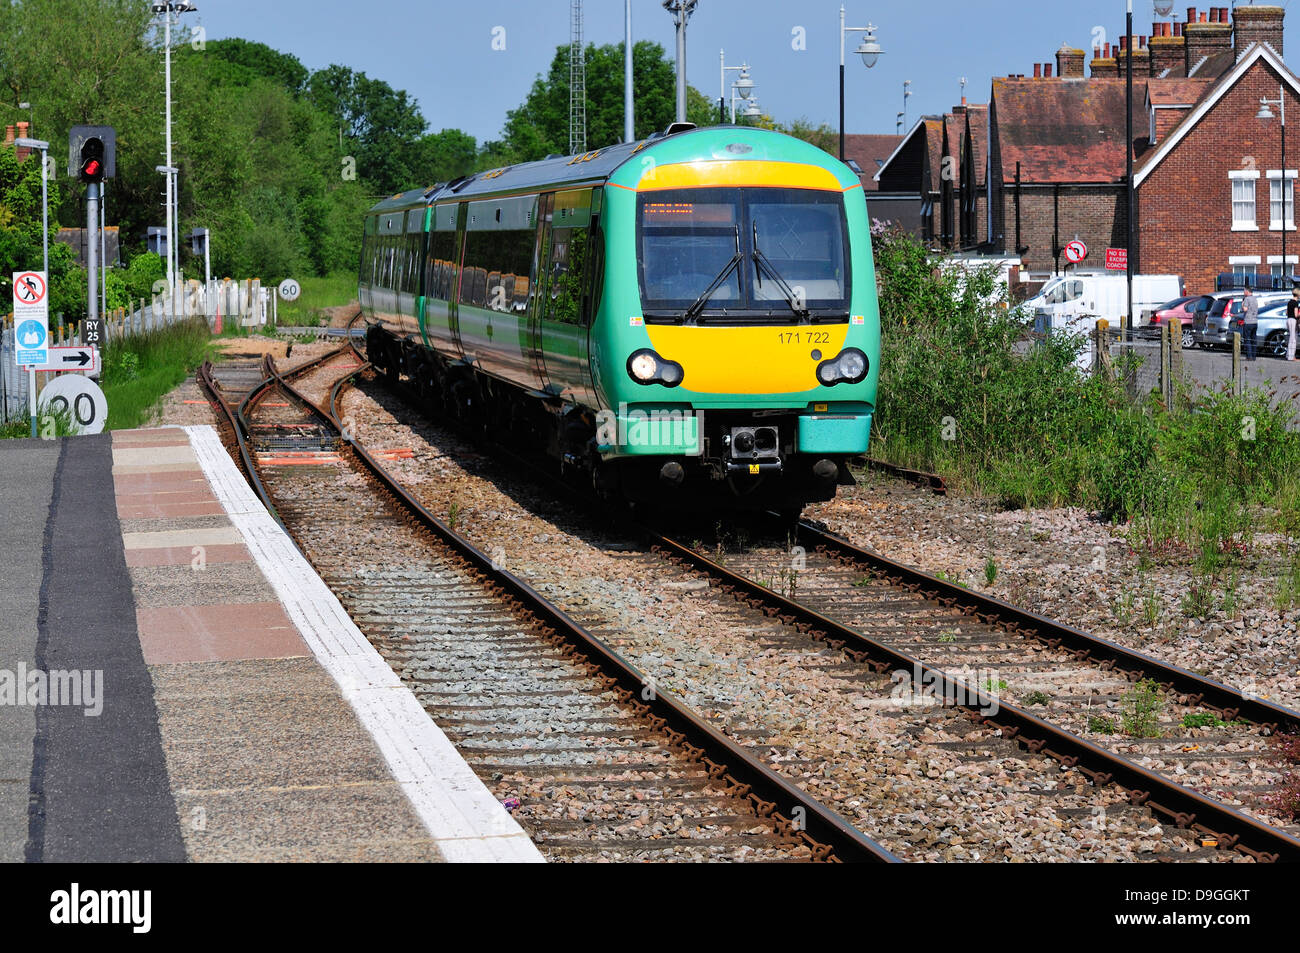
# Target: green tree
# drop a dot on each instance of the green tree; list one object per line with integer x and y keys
{"x": 540, "y": 126}
{"x": 383, "y": 123}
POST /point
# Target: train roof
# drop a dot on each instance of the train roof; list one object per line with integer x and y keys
{"x": 595, "y": 166}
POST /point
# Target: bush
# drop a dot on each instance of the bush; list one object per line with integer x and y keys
{"x": 966, "y": 391}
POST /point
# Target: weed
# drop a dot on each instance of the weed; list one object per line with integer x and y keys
{"x": 1140, "y": 710}
{"x": 1285, "y": 797}
{"x": 792, "y": 579}
{"x": 1100, "y": 725}
{"x": 1036, "y": 697}
{"x": 1208, "y": 719}
{"x": 1230, "y": 597}
{"x": 990, "y": 571}
{"x": 948, "y": 637}
{"x": 1122, "y": 608}
{"x": 1151, "y": 607}
{"x": 995, "y": 686}
{"x": 453, "y": 514}
{"x": 1198, "y": 601}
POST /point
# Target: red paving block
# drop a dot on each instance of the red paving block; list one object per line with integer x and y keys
{"x": 184, "y": 555}
{"x": 217, "y": 633}
{"x": 167, "y": 510}
{"x": 150, "y": 440}
{"x": 146, "y": 482}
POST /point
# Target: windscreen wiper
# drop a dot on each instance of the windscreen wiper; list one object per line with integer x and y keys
{"x": 731, "y": 266}
{"x": 761, "y": 262}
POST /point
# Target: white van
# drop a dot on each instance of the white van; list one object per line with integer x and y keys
{"x": 1075, "y": 302}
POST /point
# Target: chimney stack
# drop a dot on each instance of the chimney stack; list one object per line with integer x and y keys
{"x": 1104, "y": 63}
{"x": 9, "y": 135}
{"x": 1258, "y": 25}
{"x": 1168, "y": 52}
{"x": 1047, "y": 70}
{"x": 1038, "y": 71}
{"x": 1070, "y": 62}
{"x": 1206, "y": 37}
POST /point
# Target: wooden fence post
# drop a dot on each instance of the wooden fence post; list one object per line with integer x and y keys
{"x": 1238, "y": 369}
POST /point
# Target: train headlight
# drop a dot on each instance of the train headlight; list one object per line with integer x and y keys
{"x": 647, "y": 367}
{"x": 850, "y": 366}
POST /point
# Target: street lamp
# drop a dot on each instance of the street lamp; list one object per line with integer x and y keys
{"x": 748, "y": 106}
{"x": 1266, "y": 114}
{"x": 167, "y": 8}
{"x": 870, "y": 51}
{"x": 43, "y": 147}
{"x": 743, "y": 84}
{"x": 907, "y": 94}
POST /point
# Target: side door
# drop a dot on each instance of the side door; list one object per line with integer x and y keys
{"x": 567, "y": 304}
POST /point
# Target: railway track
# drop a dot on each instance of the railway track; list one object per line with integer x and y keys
{"x": 890, "y": 618}
{"x": 594, "y": 761}
{"x": 1037, "y": 681}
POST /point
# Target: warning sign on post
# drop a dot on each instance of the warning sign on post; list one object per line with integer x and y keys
{"x": 31, "y": 318}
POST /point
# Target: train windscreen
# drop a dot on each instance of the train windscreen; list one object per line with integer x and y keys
{"x": 711, "y": 254}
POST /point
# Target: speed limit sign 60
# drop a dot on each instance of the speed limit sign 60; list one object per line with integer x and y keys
{"x": 290, "y": 290}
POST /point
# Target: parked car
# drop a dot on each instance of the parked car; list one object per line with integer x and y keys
{"x": 1179, "y": 310}
{"x": 1270, "y": 335}
{"x": 1204, "y": 333}
{"x": 1225, "y": 316}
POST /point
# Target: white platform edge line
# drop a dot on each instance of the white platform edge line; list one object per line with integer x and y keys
{"x": 468, "y": 824}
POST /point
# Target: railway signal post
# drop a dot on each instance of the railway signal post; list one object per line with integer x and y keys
{"x": 92, "y": 157}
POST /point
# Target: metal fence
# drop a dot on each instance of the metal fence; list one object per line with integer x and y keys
{"x": 222, "y": 304}
{"x": 1154, "y": 361}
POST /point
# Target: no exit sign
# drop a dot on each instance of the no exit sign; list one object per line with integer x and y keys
{"x": 1117, "y": 259}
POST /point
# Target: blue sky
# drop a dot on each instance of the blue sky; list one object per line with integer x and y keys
{"x": 441, "y": 51}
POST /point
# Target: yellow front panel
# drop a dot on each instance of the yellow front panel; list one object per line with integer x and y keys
{"x": 764, "y": 360}
{"x": 786, "y": 175}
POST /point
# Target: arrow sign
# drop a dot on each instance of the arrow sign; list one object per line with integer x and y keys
{"x": 81, "y": 358}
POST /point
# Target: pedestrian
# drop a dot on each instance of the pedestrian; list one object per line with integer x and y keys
{"x": 1292, "y": 308}
{"x": 1250, "y": 322}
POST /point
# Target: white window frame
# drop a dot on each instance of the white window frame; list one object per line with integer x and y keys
{"x": 1241, "y": 224}
{"x": 1275, "y": 224}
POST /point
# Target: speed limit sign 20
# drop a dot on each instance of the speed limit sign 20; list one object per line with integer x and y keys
{"x": 77, "y": 398}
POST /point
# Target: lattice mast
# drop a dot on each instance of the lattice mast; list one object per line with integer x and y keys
{"x": 577, "y": 83}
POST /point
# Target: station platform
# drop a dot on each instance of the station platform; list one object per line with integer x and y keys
{"x": 177, "y": 683}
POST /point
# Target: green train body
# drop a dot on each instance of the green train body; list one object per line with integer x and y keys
{"x": 688, "y": 317}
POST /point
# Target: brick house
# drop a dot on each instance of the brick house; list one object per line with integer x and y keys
{"x": 1210, "y": 191}
{"x": 916, "y": 168}
{"x": 870, "y": 153}
{"x": 972, "y": 197}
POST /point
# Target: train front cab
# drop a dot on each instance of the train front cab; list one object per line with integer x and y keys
{"x": 738, "y": 335}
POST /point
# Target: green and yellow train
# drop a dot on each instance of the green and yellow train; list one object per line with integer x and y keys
{"x": 689, "y": 320}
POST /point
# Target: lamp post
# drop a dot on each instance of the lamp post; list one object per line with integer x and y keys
{"x": 167, "y": 8}
{"x": 743, "y": 84}
{"x": 43, "y": 147}
{"x": 681, "y": 11}
{"x": 1128, "y": 162}
{"x": 1266, "y": 113}
{"x": 907, "y": 94}
{"x": 870, "y": 51}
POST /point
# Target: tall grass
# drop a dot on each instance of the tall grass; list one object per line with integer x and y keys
{"x": 139, "y": 370}
{"x": 331, "y": 291}
{"x": 963, "y": 394}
